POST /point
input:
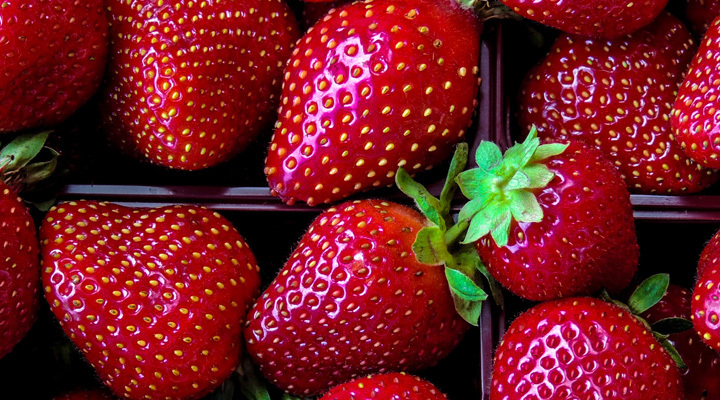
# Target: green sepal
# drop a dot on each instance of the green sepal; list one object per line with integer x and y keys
{"x": 673, "y": 352}
{"x": 426, "y": 202}
{"x": 430, "y": 247}
{"x": 457, "y": 165}
{"x": 251, "y": 386}
{"x": 464, "y": 282}
{"x": 22, "y": 150}
{"x": 463, "y": 286}
{"x": 495, "y": 287}
{"x": 503, "y": 189}
{"x": 648, "y": 293}
{"x": 668, "y": 326}
{"x": 40, "y": 171}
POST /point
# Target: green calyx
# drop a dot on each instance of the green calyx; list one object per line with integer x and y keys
{"x": 26, "y": 161}
{"x": 501, "y": 189}
{"x": 646, "y": 295}
{"x": 437, "y": 244}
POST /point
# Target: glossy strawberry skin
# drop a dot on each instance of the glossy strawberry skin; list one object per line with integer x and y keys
{"x": 617, "y": 95}
{"x": 700, "y": 13}
{"x": 693, "y": 116}
{"x": 604, "y": 18}
{"x": 582, "y": 348}
{"x": 84, "y": 395}
{"x": 706, "y": 307}
{"x": 372, "y": 87}
{"x": 315, "y": 11}
{"x": 154, "y": 298}
{"x": 19, "y": 270}
{"x": 52, "y": 59}
{"x": 353, "y": 300}
{"x": 395, "y": 386}
{"x": 188, "y": 86}
{"x": 700, "y": 379}
{"x": 710, "y": 256}
{"x": 586, "y": 240}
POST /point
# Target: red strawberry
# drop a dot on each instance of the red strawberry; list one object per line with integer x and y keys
{"x": 617, "y": 95}
{"x": 395, "y": 386}
{"x": 604, "y": 18}
{"x": 701, "y": 13}
{"x": 375, "y": 86}
{"x": 550, "y": 221}
{"x": 84, "y": 395}
{"x": 706, "y": 307}
{"x": 19, "y": 270}
{"x": 582, "y": 348}
{"x": 693, "y": 117}
{"x": 314, "y": 11}
{"x": 191, "y": 84}
{"x": 352, "y": 300}
{"x": 52, "y": 59}
{"x": 710, "y": 256}
{"x": 700, "y": 378}
{"x": 154, "y": 298}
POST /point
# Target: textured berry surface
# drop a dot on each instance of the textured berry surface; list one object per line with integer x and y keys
{"x": 694, "y": 115}
{"x": 191, "y": 84}
{"x": 394, "y": 386}
{"x": 710, "y": 256}
{"x": 700, "y": 379}
{"x": 372, "y": 87}
{"x": 585, "y": 241}
{"x": 19, "y": 270}
{"x": 52, "y": 59}
{"x": 353, "y": 300}
{"x": 84, "y": 395}
{"x": 701, "y": 13}
{"x": 706, "y": 307}
{"x": 582, "y": 348}
{"x": 154, "y": 298}
{"x": 618, "y": 95}
{"x": 598, "y": 18}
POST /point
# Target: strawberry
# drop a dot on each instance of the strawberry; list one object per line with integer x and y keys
{"x": 396, "y": 386}
{"x": 191, "y": 84}
{"x": 353, "y": 300}
{"x": 706, "y": 307}
{"x": 603, "y": 19}
{"x": 374, "y": 86}
{"x": 314, "y": 11}
{"x": 551, "y": 220}
{"x": 617, "y": 95}
{"x": 582, "y": 348}
{"x": 53, "y": 59}
{"x": 84, "y": 395}
{"x": 693, "y": 115}
{"x": 154, "y": 298}
{"x": 710, "y": 255}
{"x": 700, "y": 378}
{"x": 701, "y": 13}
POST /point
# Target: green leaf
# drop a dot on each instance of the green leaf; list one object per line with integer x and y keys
{"x": 488, "y": 156}
{"x": 548, "y": 150}
{"x": 469, "y": 310}
{"x": 40, "y": 171}
{"x": 501, "y": 228}
{"x": 250, "y": 384}
{"x": 457, "y": 165}
{"x": 525, "y": 207}
{"x": 667, "y": 326}
{"x": 519, "y": 181}
{"x": 463, "y": 286}
{"x": 475, "y": 182}
{"x": 673, "y": 353}
{"x": 539, "y": 175}
{"x": 480, "y": 225}
{"x": 495, "y": 287}
{"x": 474, "y": 206}
{"x": 648, "y": 293}
{"x": 22, "y": 150}
{"x": 429, "y": 246}
{"x": 426, "y": 202}
{"x": 519, "y": 155}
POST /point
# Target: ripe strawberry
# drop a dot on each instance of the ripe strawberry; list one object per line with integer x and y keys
{"x": 352, "y": 300}
{"x": 190, "y": 84}
{"x": 605, "y": 18}
{"x": 52, "y": 59}
{"x": 693, "y": 116}
{"x": 701, "y": 13}
{"x": 84, "y": 395}
{"x": 617, "y": 95}
{"x": 700, "y": 378}
{"x": 19, "y": 270}
{"x": 550, "y": 221}
{"x": 582, "y": 348}
{"x": 314, "y": 11}
{"x": 154, "y": 298}
{"x": 706, "y": 307}
{"x": 710, "y": 256}
{"x": 395, "y": 386}
{"x": 374, "y": 86}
